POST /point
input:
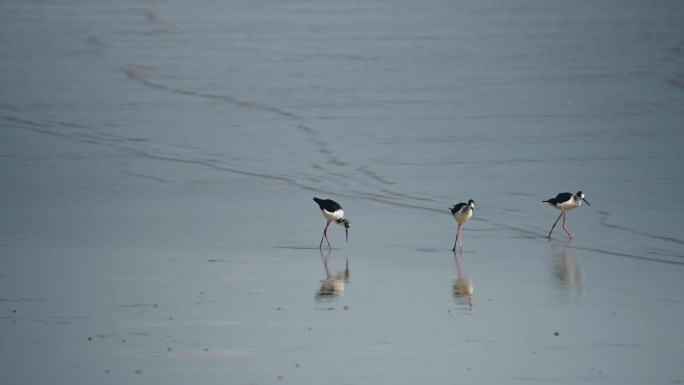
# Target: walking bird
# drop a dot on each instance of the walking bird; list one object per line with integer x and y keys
{"x": 565, "y": 202}
{"x": 462, "y": 212}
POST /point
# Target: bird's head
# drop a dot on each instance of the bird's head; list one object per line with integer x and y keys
{"x": 581, "y": 195}
{"x": 346, "y": 223}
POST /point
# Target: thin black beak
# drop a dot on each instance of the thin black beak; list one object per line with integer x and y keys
{"x": 585, "y": 201}
{"x": 346, "y": 232}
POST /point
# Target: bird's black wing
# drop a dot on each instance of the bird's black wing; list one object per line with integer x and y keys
{"x": 560, "y": 198}
{"x": 328, "y": 205}
{"x": 458, "y": 207}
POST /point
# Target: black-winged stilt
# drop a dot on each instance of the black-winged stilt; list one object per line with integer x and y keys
{"x": 332, "y": 211}
{"x": 462, "y": 212}
{"x": 565, "y": 202}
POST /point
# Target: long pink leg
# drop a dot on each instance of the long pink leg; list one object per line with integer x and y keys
{"x": 565, "y": 228}
{"x": 458, "y": 236}
{"x": 554, "y": 223}
{"x": 325, "y": 234}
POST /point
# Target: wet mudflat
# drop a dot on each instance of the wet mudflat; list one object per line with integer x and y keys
{"x": 159, "y": 163}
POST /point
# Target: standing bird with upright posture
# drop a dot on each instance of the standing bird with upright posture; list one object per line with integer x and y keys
{"x": 332, "y": 211}
{"x": 565, "y": 202}
{"x": 462, "y": 212}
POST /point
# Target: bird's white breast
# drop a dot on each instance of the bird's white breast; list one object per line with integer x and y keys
{"x": 463, "y": 215}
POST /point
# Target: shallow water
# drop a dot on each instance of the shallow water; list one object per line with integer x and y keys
{"x": 159, "y": 160}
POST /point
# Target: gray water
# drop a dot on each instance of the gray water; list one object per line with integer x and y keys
{"x": 159, "y": 161}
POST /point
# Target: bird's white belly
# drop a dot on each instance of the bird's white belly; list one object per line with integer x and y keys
{"x": 339, "y": 214}
{"x": 566, "y": 206}
{"x": 463, "y": 216}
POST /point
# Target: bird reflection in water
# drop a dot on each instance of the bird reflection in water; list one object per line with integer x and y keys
{"x": 333, "y": 285}
{"x": 568, "y": 273}
{"x": 462, "y": 290}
